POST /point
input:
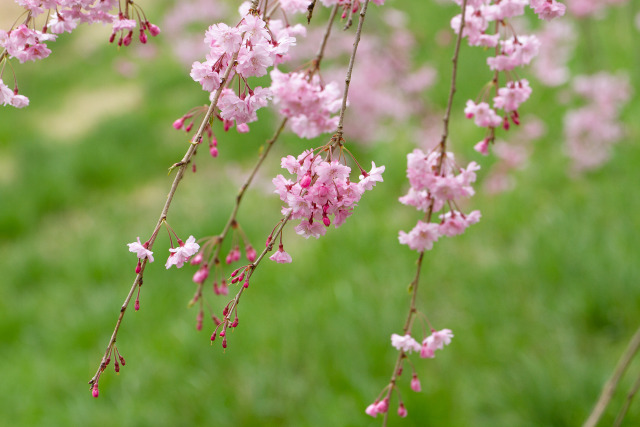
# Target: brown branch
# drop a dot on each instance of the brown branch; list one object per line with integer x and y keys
{"x": 347, "y": 79}
{"x": 442, "y": 147}
{"x": 610, "y": 387}
{"x": 182, "y": 166}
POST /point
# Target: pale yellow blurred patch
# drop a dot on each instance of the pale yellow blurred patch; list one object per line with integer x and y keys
{"x": 82, "y": 110}
{"x": 9, "y": 12}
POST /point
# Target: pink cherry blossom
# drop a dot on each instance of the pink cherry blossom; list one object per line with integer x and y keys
{"x": 483, "y": 115}
{"x": 372, "y": 409}
{"x": 404, "y": 343}
{"x": 369, "y": 180}
{"x": 421, "y": 237}
{"x": 281, "y": 256}
{"x": 140, "y": 250}
{"x": 510, "y": 97}
{"x": 181, "y": 254}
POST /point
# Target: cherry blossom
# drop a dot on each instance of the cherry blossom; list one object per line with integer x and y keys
{"x": 404, "y": 343}
{"x": 281, "y": 256}
{"x": 141, "y": 250}
{"x": 181, "y": 254}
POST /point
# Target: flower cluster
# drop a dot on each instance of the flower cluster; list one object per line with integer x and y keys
{"x": 436, "y": 341}
{"x": 514, "y": 51}
{"x": 25, "y": 43}
{"x": 591, "y": 131}
{"x": 407, "y": 344}
{"x": 436, "y": 184}
{"x": 307, "y": 104}
{"x": 322, "y": 192}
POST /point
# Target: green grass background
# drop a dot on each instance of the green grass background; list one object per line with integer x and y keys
{"x": 542, "y": 294}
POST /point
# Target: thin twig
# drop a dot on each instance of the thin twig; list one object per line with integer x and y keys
{"x": 182, "y": 166}
{"x": 347, "y": 79}
{"x": 416, "y": 280}
{"x": 610, "y": 387}
{"x": 627, "y": 402}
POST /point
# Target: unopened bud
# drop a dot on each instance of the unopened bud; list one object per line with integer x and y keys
{"x": 94, "y": 390}
{"x": 127, "y": 38}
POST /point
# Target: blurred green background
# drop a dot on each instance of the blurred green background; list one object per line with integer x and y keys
{"x": 542, "y": 295}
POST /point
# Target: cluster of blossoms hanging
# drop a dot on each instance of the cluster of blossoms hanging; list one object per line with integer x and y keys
{"x": 26, "y": 43}
{"x": 436, "y": 185}
{"x": 250, "y": 48}
{"x": 514, "y": 51}
{"x": 306, "y": 103}
{"x": 592, "y": 130}
{"x": 321, "y": 191}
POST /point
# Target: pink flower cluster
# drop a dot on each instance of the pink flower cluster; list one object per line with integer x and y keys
{"x": 557, "y": 41}
{"x": 322, "y": 192}
{"x": 25, "y": 43}
{"x": 436, "y": 341}
{"x": 307, "y": 104}
{"x": 592, "y": 130}
{"x": 586, "y": 8}
{"x": 514, "y": 51}
{"x": 407, "y": 344}
{"x": 11, "y": 97}
{"x": 258, "y": 46}
{"x": 435, "y": 191}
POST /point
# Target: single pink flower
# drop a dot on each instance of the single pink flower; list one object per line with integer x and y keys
{"x": 140, "y": 250}
{"x": 281, "y": 256}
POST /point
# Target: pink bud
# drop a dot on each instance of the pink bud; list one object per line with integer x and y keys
{"x": 201, "y": 275}
{"x": 235, "y": 323}
{"x": 224, "y": 343}
{"x": 246, "y": 283}
{"x": 515, "y": 117}
{"x": 326, "y": 221}
{"x": 117, "y": 367}
{"x": 213, "y": 336}
{"x": 402, "y": 411}
{"x": 482, "y": 147}
{"x": 112, "y": 37}
{"x": 505, "y": 123}
{"x": 213, "y": 151}
{"x": 305, "y": 181}
{"x": 223, "y": 333}
{"x": 127, "y": 39}
{"x": 143, "y": 37}
{"x": 415, "y": 383}
{"x": 196, "y": 259}
{"x": 383, "y": 405}
{"x": 122, "y": 360}
{"x": 251, "y": 253}
{"x": 235, "y": 272}
{"x": 137, "y": 305}
{"x": 154, "y": 30}
{"x": 94, "y": 390}
{"x": 189, "y": 127}
{"x": 371, "y": 409}
{"x": 138, "y": 267}
{"x": 178, "y": 123}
